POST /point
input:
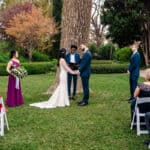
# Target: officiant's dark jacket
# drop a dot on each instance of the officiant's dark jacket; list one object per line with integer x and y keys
{"x": 77, "y": 58}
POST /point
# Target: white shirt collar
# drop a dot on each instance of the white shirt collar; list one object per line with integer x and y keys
{"x": 86, "y": 50}
{"x": 134, "y": 52}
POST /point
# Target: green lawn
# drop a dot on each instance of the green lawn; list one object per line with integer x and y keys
{"x": 103, "y": 125}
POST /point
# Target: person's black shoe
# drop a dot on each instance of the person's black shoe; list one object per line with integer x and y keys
{"x": 129, "y": 99}
{"x": 73, "y": 98}
{"x": 83, "y": 104}
{"x": 79, "y": 102}
{"x": 147, "y": 142}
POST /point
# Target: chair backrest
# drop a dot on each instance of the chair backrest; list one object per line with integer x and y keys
{"x": 142, "y": 100}
{"x": 2, "y": 103}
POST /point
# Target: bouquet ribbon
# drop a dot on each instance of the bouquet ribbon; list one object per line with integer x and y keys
{"x": 17, "y": 83}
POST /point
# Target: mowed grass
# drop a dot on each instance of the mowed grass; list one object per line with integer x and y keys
{"x": 103, "y": 125}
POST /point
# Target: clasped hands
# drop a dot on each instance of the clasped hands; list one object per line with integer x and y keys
{"x": 77, "y": 72}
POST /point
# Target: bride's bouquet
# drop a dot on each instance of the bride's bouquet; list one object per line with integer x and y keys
{"x": 19, "y": 72}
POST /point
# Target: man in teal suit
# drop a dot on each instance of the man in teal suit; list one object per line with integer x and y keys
{"x": 134, "y": 69}
{"x": 85, "y": 72}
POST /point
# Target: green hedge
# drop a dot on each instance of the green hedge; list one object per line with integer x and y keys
{"x": 33, "y": 68}
{"x": 109, "y": 68}
{"x": 96, "y": 62}
{"x": 38, "y": 56}
{"x": 44, "y": 67}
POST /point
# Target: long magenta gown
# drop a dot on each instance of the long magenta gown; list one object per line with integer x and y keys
{"x": 14, "y": 95}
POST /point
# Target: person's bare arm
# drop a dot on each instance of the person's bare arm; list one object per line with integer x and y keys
{"x": 63, "y": 62}
{"x": 8, "y": 67}
{"x": 137, "y": 92}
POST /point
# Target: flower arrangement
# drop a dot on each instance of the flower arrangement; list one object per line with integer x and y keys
{"x": 19, "y": 72}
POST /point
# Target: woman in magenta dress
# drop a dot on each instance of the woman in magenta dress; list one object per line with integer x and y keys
{"x": 14, "y": 94}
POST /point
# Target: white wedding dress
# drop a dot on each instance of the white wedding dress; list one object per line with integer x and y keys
{"x": 60, "y": 96}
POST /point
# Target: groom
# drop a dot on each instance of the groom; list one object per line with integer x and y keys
{"x": 85, "y": 71}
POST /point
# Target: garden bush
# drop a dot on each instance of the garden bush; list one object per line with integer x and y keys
{"x": 33, "y": 68}
{"x": 98, "y": 67}
{"x": 102, "y": 61}
{"x": 123, "y": 54}
{"x": 3, "y": 57}
{"x": 4, "y": 45}
{"x": 38, "y": 56}
{"x": 106, "y": 51}
{"x": 94, "y": 50}
{"x": 109, "y": 68}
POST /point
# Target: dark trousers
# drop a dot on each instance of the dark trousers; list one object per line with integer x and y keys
{"x": 85, "y": 84}
{"x": 70, "y": 77}
{"x": 147, "y": 120}
{"x": 133, "y": 85}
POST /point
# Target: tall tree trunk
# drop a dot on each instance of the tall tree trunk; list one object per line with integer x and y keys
{"x": 146, "y": 43}
{"x": 75, "y": 22}
{"x": 30, "y": 54}
{"x": 75, "y": 25}
{"x": 146, "y": 33}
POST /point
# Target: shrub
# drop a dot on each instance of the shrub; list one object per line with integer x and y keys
{"x": 106, "y": 51}
{"x": 102, "y": 61}
{"x": 4, "y": 45}
{"x": 3, "y": 57}
{"x": 33, "y": 68}
{"x": 94, "y": 50}
{"x": 123, "y": 54}
{"x": 109, "y": 68}
{"x": 23, "y": 59}
{"x": 37, "y": 56}
{"x": 44, "y": 67}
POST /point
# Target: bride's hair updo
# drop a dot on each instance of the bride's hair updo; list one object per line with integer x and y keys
{"x": 61, "y": 54}
{"x": 12, "y": 53}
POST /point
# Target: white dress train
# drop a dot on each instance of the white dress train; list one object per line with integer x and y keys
{"x": 60, "y": 96}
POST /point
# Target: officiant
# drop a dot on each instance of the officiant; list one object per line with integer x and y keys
{"x": 73, "y": 60}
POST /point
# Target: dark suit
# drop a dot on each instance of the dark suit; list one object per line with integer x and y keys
{"x": 134, "y": 69}
{"x": 73, "y": 66}
{"x": 85, "y": 71}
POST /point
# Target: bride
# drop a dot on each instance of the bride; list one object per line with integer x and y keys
{"x": 60, "y": 96}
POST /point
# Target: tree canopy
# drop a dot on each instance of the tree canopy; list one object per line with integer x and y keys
{"x": 124, "y": 19}
{"x": 28, "y": 32}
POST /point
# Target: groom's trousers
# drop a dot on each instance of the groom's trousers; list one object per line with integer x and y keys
{"x": 85, "y": 84}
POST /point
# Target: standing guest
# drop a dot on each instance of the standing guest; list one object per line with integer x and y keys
{"x": 14, "y": 94}
{"x": 73, "y": 59}
{"x": 85, "y": 71}
{"x": 134, "y": 69}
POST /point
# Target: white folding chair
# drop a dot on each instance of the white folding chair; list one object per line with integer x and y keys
{"x": 3, "y": 118}
{"x": 138, "y": 115}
